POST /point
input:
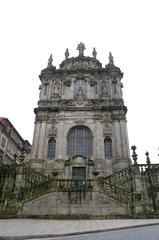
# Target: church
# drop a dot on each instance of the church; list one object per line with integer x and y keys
{"x": 80, "y": 166}
{"x": 80, "y": 118}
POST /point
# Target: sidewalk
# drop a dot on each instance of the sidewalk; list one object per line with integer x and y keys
{"x": 37, "y": 228}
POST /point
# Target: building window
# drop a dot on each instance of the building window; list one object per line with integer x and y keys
{"x": 80, "y": 141}
{"x": 80, "y": 88}
{"x": 51, "y": 148}
{"x": 108, "y": 147}
{"x": 3, "y": 141}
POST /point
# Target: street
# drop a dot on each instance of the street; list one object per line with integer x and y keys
{"x": 141, "y": 233}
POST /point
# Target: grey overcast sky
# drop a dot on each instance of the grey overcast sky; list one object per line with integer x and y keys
{"x": 31, "y": 30}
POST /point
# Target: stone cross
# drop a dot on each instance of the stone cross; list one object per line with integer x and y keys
{"x": 81, "y": 48}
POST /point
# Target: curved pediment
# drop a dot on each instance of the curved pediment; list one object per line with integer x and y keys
{"x": 80, "y": 62}
{"x": 79, "y": 160}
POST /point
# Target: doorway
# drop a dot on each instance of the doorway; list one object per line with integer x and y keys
{"x": 79, "y": 173}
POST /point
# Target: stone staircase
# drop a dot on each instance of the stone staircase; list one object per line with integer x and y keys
{"x": 21, "y": 183}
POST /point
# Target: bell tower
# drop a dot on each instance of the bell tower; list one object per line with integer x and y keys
{"x": 80, "y": 124}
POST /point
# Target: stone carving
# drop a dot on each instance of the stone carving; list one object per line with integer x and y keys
{"x": 67, "y": 103}
{"x": 79, "y": 121}
{"x": 43, "y": 103}
{"x": 103, "y": 88}
{"x": 92, "y": 81}
{"x": 50, "y": 60}
{"x": 111, "y": 61}
{"x": 56, "y": 90}
{"x": 107, "y": 129}
{"x": 114, "y": 80}
{"x": 67, "y": 82}
{"x": 80, "y": 76}
{"x": 52, "y": 130}
{"x": 81, "y": 62}
{"x": 97, "y": 117}
{"x": 117, "y": 102}
{"x": 80, "y": 93}
{"x": 93, "y": 102}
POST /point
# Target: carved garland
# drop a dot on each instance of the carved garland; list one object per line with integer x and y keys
{"x": 107, "y": 129}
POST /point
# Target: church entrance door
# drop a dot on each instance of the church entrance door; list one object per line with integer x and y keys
{"x": 79, "y": 173}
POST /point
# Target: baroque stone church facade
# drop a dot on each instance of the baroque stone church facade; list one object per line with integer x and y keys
{"x": 80, "y": 124}
{"x": 80, "y": 164}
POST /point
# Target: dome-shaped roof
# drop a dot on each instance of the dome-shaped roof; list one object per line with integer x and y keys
{"x": 80, "y": 62}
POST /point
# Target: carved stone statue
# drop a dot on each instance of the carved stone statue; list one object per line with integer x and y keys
{"x": 50, "y": 60}
{"x": 111, "y": 61}
{"x": 56, "y": 90}
{"x": 80, "y": 93}
{"x": 103, "y": 89}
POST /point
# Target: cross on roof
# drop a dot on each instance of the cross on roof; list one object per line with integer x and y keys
{"x": 81, "y": 48}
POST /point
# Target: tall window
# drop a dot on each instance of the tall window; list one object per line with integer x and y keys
{"x": 80, "y": 88}
{"x": 51, "y": 148}
{"x": 108, "y": 147}
{"x": 80, "y": 141}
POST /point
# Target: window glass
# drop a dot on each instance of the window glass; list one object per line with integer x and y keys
{"x": 51, "y": 148}
{"x": 80, "y": 141}
{"x": 80, "y": 88}
{"x": 108, "y": 147}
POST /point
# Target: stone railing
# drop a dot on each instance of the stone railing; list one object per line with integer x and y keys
{"x": 120, "y": 178}
{"x": 143, "y": 168}
{"x": 114, "y": 191}
{"x": 66, "y": 185}
{"x": 7, "y": 182}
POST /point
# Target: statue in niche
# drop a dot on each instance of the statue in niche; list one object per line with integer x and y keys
{"x": 103, "y": 89}
{"x": 80, "y": 93}
{"x": 92, "y": 81}
{"x": 56, "y": 90}
{"x": 50, "y": 60}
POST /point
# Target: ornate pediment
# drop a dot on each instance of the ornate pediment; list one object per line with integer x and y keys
{"x": 79, "y": 121}
{"x": 79, "y": 161}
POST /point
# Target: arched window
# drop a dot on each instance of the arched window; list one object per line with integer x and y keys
{"x": 108, "y": 147}
{"x": 80, "y": 88}
{"x": 51, "y": 148}
{"x": 80, "y": 141}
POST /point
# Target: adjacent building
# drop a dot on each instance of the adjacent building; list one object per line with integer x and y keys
{"x": 11, "y": 143}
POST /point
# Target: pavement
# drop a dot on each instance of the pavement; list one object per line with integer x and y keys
{"x": 38, "y": 228}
